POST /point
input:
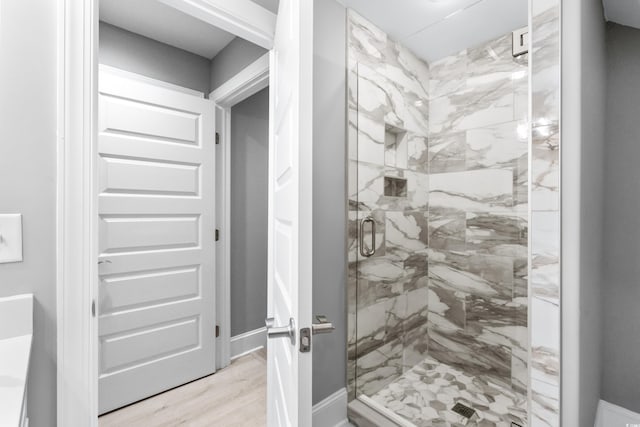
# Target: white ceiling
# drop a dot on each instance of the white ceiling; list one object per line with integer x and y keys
{"x": 625, "y": 12}
{"x": 149, "y": 18}
{"x": 433, "y": 29}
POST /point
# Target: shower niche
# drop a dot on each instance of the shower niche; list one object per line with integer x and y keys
{"x": 438, "y": 163}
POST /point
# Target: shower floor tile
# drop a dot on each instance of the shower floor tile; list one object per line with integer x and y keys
{"x": 425, "y": 394}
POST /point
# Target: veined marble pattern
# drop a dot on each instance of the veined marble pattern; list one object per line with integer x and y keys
{"x": 545, "y": 216}
{"x": 389, "y": 150}
{"x": 425, "y": 395}
{"x": 546, "y": 109}
{"x": 478, "y": 214}
{"x": 449, "y": 280}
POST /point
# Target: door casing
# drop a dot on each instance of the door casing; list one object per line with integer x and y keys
{"x": 246, "y": 83}
{"x": 76, "y": 185}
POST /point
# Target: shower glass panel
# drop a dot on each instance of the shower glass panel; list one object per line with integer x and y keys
{"x": 438, "y": 245}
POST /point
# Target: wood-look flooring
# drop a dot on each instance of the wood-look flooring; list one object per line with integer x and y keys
{"x": 232, "y": 397}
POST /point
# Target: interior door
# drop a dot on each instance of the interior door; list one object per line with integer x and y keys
{"x": 156, "y": 239}
{"x": 290, "y": 215}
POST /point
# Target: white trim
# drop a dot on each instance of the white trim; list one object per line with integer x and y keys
{"x": 248, "y": 342}
{"x": 148, "y": 80}
{"x": 384, "y": 411}
{"x": 77, "y": 373}
{"x": 76, "y": 202}
{"x": 332, "y": 411}
{"x": 243, "y": 18}
{"x": 223, "y": 223}
{"x": 247, "y": 82}
{"x": 610, "y": 415}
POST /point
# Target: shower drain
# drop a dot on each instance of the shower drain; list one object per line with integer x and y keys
{"x": 463, "y": 410}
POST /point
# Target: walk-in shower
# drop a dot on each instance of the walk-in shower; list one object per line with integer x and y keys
{"x": 439, "y": 251}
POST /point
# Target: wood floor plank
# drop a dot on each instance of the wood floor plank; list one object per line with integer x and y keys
{"x": 232, "y": 397}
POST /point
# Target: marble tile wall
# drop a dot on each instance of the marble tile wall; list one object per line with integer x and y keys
{"x": 449, "y": 275}
{"x": 455, "y": 243}
{"x": 545, "y": 214}
{"x": 389, "y": 181}
{"x": 478, "y": 214}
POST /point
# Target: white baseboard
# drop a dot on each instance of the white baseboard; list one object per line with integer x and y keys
{"x": 248, "y": 342}
{"x": 610, "y": 415}
{"x": 332, "y": 411}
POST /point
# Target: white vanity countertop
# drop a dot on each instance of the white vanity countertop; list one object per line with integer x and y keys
{"x": 14, "y": 365}
{"x": 16, "y": 332}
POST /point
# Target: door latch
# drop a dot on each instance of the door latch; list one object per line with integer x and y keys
{"x": 322, "y": 327}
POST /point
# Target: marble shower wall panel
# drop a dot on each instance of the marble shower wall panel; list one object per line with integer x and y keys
{"x": 478, "y": 214}
{"x": 545, "y": 214}
{"x": 546, "y": 107}
{"x": 388, "y": 174}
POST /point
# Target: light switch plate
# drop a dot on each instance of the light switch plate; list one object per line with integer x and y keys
{"x": 10, "y": 238}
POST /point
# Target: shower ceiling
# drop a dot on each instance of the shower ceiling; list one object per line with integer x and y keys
{"x": 433, "y": 29}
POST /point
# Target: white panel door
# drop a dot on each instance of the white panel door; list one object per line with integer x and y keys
{"x": 290, "y": 209}
{"x": 156, "y": 237}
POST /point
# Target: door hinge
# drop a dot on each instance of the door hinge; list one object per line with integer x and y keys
{"x": 217, "y": 331}
{"x": 217, "y": 234}
{"x": 93, "y": 308}
{"x": 217, "y": 138}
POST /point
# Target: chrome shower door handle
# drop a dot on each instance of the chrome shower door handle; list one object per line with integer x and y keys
{"x": 372, "y": 250}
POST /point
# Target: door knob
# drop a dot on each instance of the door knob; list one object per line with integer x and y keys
{"x": 281, "y": 331}
{"x": 323, "y": 326}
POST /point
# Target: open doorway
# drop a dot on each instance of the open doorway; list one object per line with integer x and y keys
{"x": 182, "y": 153}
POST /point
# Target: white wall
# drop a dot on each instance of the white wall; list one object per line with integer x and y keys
{"x": 141, "y": 55}
{"x": 582, "y": 165}
{"x": 249, "y": 202}
{"x": 28, "y": 179}
{"x": 610, "y": 415}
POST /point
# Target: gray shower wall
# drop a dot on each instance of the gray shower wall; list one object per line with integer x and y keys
{"x": 449, "y": 277}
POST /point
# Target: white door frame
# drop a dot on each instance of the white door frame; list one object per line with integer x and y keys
{"x": 76, "y": 205}
{"x": 247, "y": 82}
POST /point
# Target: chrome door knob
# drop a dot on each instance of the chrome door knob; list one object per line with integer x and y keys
{"x": 288, "y": 331}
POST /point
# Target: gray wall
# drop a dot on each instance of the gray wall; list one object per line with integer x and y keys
{"x": 592, "y": 210}
{"x": 232, "y": 59}
{"x": 28, "y": 179}
{"x": 329, "y": 195}
{"x": 237, "y": 54}
{"x": 621, "y": 296}
{"x": 132, "y": 52}
{"x": 249, "y": 202}
{"x": 582, "y": 145}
